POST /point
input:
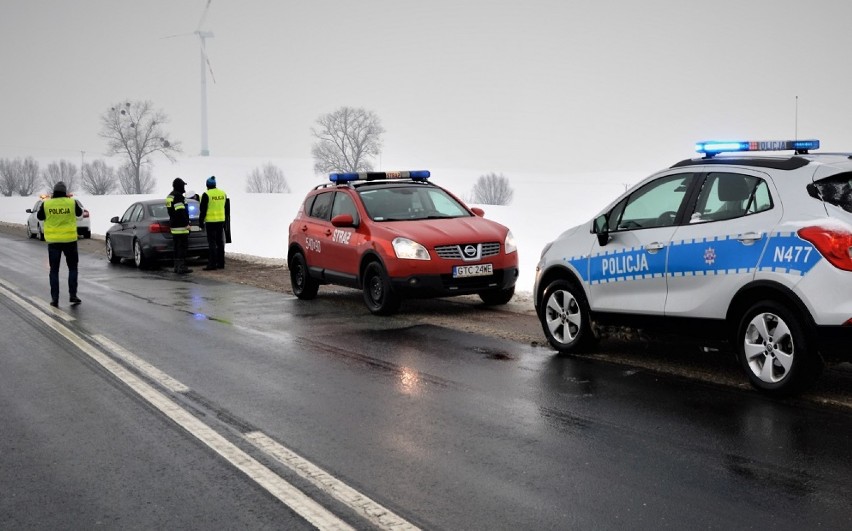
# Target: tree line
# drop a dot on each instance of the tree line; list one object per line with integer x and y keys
{"x": 346, "y": 140}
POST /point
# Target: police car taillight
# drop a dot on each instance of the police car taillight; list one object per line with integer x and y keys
{"x": 834, "y": 244}
{"x": 158, "y": 227}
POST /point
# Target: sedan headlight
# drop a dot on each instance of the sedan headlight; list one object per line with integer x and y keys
{"x": 509, "y": 243}
{"x": 409, "y": 249}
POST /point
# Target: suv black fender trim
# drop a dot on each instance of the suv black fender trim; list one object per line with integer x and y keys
{"x": 554, "y": 273}
{"x": 369, "y": 256}
{"x": 762, "y": 290}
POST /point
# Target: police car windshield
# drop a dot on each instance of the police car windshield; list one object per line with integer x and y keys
{"x": 401, "y": 203}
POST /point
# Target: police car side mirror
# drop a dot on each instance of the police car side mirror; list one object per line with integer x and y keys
{"x": 343, "y": 220}
{"x": 478, "y": 211}
{"x": 600, "y": 228}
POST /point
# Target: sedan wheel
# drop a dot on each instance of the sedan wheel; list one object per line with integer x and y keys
{"x": 774, "y": 349}
{"x": 138, "y": 256}
{"x": 111, "y": 256}
{"x": 565, "y": 316}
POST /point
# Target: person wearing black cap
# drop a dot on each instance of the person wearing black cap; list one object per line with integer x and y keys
{"x": 59, "y": 214}
{"x": 179, "y": 224}
{"x": 215, "y": 214}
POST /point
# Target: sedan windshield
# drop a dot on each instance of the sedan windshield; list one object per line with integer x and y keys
{"x": 410, "y": 202}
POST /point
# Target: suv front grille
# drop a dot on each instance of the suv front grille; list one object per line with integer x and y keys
{"x": 455, "y": 252}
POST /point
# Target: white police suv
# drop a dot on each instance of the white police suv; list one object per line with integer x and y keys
{"x": 753, "y": 249}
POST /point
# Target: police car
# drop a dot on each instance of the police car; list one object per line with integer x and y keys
{"x": 396, "y": 235}
{"x": 755, "y": 249}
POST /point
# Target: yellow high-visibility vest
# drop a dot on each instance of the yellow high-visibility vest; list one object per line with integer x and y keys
{"x": 215, "y": 206}
{"x": 60, "y": 220}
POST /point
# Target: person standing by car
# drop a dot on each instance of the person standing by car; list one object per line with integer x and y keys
{"x": 179, "y": 224}
{"x": 215, "y": 213}
{"x": 59, "y": 214}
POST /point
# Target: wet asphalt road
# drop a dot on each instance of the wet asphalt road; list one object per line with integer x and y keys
{"x": 444, "y": 429}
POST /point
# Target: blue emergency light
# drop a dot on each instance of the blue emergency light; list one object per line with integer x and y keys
{"x": 713, "y": 147}
{"x": 418, "y": 175}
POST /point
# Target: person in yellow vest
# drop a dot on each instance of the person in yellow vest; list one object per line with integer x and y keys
{"x": 59, "y": 214}
{"x": 179, "y": 224}
{"x": 214, "y": 217}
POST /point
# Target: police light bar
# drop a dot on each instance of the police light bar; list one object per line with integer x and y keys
{"x": 419, "y": 175}
{"x": 713, "y": 147}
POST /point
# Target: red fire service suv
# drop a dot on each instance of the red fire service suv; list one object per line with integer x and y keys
{"x": 395, "y": 235}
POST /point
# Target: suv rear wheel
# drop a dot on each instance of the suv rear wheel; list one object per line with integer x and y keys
{"x": 565, "y": 316}
{"x": 304, "y": 287}
{"x": 774, "y": 349}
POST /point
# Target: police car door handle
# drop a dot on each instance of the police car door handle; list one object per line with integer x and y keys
{"x": 654, "y": 247}
{"x": 749, "y": 237}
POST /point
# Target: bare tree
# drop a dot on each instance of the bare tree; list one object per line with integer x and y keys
{"x": 29, "y": 177}
{"x": 492, "y": 189}
{"x": 60, "y": 171}
{"x": 135, "y": 130}
{"x": 128, "y": 182}
{"x": 345, "y": 140}
{"x": 10, "y": 171}
{"x": 267, "y": 180}
{"x": 98, "y": 178}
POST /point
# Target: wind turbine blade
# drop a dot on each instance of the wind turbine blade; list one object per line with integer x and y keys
{"x": 176, "y": 35}
{"x": 204, "y": 15}
{"x": 207, "y": 60}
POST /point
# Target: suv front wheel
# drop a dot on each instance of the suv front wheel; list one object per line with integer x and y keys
{"x": 774, "y": 349}
{"x": 379, "y": 295}
{"x": 565, "y": 316}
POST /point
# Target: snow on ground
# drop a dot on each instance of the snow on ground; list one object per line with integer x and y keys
{"x": 544, "y": 205}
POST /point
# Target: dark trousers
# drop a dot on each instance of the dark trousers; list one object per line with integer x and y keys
{"x": 215, "y": 243}
{"x": 181, "y": 245}
{"x": 54, "y": 257}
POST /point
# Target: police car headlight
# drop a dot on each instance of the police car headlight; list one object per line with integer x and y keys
{"x": 409, "y": 249}
{"x": 509, "y": 243}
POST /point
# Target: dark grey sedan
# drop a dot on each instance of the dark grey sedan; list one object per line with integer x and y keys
{"x": 142, "y": 234}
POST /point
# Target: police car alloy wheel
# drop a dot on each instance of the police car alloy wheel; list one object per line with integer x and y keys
{"x": 304, "y": 287}
{"x": 773, "y": 349}
{"x": 565, "y": 317}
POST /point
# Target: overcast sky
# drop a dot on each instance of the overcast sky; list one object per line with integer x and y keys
{"x": 503, "y": 86}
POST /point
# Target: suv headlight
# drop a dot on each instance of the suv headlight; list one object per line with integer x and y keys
{"x": 409, "y": 249}
{"x": 509, "y": 243}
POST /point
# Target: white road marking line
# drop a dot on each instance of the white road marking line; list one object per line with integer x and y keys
{"x": 377, "y": 514}
{"x": 146, "y": 368}
{"x": 38, "y": 302}
{"x": 274, "y": 484}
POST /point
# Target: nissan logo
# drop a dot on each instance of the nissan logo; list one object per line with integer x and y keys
{"x": 470, "y": 251}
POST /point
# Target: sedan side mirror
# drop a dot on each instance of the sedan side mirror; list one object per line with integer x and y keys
{"x": 478, "y": 211}
{"x": 114, "y": 219}
{"x": 29, "y": 211}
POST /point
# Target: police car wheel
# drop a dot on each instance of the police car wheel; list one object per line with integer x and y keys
{"x": 111, "y": 256}
{"x": 138, "y": 256}
{"x": 565, "y": 316}
{"x": 774, "y": 349}
{"x": 379, "y": 296}
{"x": 304, "y": 287}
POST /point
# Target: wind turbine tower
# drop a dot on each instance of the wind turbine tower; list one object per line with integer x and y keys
{"x": 205, "y": 66}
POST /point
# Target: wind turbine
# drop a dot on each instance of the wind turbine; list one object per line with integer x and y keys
{"x": 205, "y": 66}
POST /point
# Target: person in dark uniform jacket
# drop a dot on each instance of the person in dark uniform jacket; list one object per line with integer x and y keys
{"x": 179, "y": 224}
